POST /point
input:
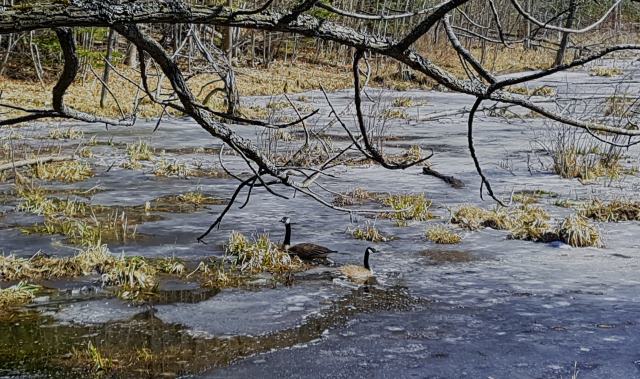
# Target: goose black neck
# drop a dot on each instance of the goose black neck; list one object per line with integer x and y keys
{"x": 287, "y": 234}
{"x": 366, "y": 259}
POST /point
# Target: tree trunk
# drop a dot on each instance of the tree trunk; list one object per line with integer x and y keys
{"x": 227, "y": 37}
{"x": 107, "y": 68}
{"x": 131, "y": 56}
{"x": 564, "y": 41}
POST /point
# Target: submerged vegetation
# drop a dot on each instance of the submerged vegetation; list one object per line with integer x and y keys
{"x": 86, "y": 224}
{"x": 133, "y": 276}
{"x": 17, "y": 295}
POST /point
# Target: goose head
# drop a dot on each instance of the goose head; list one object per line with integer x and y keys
{"x": 368, "y": 251}
{"x": 285, "y": 220}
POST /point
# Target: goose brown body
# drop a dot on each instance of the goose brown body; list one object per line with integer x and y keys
{"x": 360, "y": 274}
{"x": 306, "y": 251}
{"x": 309, "y": 251}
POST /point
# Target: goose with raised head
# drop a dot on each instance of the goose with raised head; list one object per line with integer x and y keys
{"x": 306, "y": 251}
{"x": 360, "y": 274}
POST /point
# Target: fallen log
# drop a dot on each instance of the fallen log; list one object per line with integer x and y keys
{"x": 450, "y": 180}
{"x": 35, "y": 161}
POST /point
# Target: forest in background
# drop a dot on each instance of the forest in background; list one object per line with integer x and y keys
{"x": 270, "y": 63}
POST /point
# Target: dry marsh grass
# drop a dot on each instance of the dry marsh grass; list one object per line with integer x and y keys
{"x": 94, "y": 259}
{"x": 392, "y": 113}
{"x": 139, "y": 151}
{"x": 182, "y": 203}
{"x": 442, "y": 235}
{"x": 472, "y": 217}
{"x": 83, "y": 95}
{"x": 571, "y": 164}
{"x": 575, "y": 154}
{"x": 65, "y": 134}
{"x": 619, "y": 105}
{"x": 133, "y": 277}
{"x": 613, "y": 211}
{"x": 369, "y": 232}
{"x": 168, "y": 168}
{"x": 275, "y": 79}
{"x": 171, "y": 265}
{"x": 526, "y": 222}
{"x": 407, "y": 207}
{"x": 536, "y": 91}
{"x": 412, "y": 154}
{"x": 566, "y": 203}
{"x": 85, "y": 152}
{"x": 68, "y": 171}
{"x": 528, "y": 197}
{"x": 86, "y": 224}
{"x": 577, "y": 231}
{"x": 403, "y": 102}
{"x": 131, "y": 164}
{"x": 532, "y": 223}
{"x": 359, "y": 196}
{"x": 605, "y": 71}
{"x": 499, "y": 59}
{"x": 259, "y": 255}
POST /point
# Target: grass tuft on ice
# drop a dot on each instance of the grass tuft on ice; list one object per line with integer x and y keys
{"x": 442, "y": 235}
{"x": 369, "y": 232}
{"x": 408, "y": 207}
{"x": 613, "y": 211}
{"x": 577, "y": 231}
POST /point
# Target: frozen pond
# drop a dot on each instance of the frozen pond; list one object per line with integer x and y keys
{"x": 487, "y": 307}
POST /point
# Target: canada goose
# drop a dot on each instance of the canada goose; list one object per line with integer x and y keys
{"x": 360, "y": 274}
{"x": 307, "y": 251}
